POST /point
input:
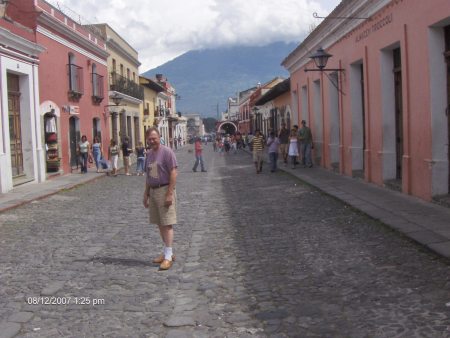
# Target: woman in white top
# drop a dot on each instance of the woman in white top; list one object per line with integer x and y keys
{"x": 83, "y": 149}
{"x": 293, "y": 148}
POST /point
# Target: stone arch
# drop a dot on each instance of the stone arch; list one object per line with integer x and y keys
{"x": 228, "y": 126}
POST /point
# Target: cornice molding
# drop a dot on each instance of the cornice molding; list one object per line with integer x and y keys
{"x": 112, "y": 44}
{"x": 90, "y": 46}
{"x": 332, "y": 30}
{"x": 70, "y": 45}
{"x": 126, "y": 98}
{"x": 20, "y": 44}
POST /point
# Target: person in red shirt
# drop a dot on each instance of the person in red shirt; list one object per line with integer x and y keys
{"x": 198, "y": 155}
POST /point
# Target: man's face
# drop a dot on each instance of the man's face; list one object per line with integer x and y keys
{"x": 153, "y": 140}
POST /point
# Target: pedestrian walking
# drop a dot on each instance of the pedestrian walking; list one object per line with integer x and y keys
{"x": 273, "y": 143}
{"x": 113, "y": 156}
{"x": 83, "y": 150}
{"x": 257, "y": 143}
{"x": 159, "y": 194}
{"x": 293, "y": 148}
{"x": 97, "y": 152}
{"x": 306, "y": 144}
{"x": 126, "y": 152}
{"x": 140, "y": 154}
{"x": 198, "y": 155}
{"x": 283, "y": 136}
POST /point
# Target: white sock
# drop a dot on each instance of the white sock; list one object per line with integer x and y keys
{"x": 168, "y": 253}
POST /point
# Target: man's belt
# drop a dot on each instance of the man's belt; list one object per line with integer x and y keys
{"x": 158, "y": 186}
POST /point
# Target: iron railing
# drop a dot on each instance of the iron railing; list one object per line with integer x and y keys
{"x": 75, "y": 74}
{"x": 123, "y": 85}
{"x": 97, "y": 88}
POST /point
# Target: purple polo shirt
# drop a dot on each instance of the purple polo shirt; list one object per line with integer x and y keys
{"x": 159, "y": 164}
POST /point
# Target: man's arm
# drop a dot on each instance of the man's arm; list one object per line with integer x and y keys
{"x": 171, "y": 188}
{"x": 146, "y": 195}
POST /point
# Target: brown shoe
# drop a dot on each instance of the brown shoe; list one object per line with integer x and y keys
{"x": 165, "y": 265}
{"x": 159, "y": 259}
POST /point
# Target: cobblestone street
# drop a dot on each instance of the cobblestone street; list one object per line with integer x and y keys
{"x": 257, "y": 256}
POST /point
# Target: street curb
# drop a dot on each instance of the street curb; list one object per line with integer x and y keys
{"x": 56, "y": 191}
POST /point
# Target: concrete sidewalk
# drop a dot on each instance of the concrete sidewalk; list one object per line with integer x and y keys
{"x": 424, "y": 222}
{"x": 29, "y": 192}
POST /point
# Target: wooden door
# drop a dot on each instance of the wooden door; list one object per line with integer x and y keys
{"x": 15, "y": 130}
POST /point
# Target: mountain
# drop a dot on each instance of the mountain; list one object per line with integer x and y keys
{"x": 205, "y": 79}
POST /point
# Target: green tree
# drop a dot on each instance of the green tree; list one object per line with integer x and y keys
{"x": 210, "y": 124}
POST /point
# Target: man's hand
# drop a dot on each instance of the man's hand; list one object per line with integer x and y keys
{"x": 145, "y": 201}
{"x": 169, "y": 200}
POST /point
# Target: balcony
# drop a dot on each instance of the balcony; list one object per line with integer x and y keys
{"x": 75, "y": 74}
{"x": 123, "y": 85}
{"x": 97, "y": 88}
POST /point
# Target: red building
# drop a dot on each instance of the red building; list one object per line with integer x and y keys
{"x": 73, "y": 81}
{"x": 380, "y": 108}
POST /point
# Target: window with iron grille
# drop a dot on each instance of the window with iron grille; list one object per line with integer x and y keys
{"x": 75, "y": 74}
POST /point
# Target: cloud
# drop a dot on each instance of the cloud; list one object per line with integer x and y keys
{"x": 161, "y": 30}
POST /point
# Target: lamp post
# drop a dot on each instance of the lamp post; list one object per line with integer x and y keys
{"x": 117, "y": 99}
{"x": 320, "y": 58}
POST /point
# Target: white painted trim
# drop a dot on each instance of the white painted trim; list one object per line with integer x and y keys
{"x": 330, "y": 31}
{"x": 18, "y": 43}
{"x": 70, "y": 45}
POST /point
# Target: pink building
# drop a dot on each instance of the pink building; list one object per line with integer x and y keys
{"x": 381, "y": 111}
{"x": 73, "y": 81}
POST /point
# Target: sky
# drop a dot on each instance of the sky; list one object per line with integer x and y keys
{"x": 160, "y": 30}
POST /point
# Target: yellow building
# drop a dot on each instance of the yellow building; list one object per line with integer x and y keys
{"x": 125, "y": 93}
{"x": 150, "y": 102}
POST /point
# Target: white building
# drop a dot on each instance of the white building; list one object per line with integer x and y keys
{"x": 21, "y": 145}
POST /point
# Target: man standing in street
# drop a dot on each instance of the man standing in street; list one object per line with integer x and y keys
{"x": 306, "y": 144}
{"x": 258, "y": 147}
{"x": 159, "y": 195}
{"x": 198, "y": 155}
{"x": 283, "y": 136}
{"x": 126, "y": 152}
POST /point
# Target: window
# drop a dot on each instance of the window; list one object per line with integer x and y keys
{"x": 97, "y": 85}
{"x": 75, "y": 78}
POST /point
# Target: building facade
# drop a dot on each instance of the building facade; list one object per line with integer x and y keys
{"x": 277, "y": 104}
{"x": 72, "y": 80}
{"x": 379, "y": 109}
{"x": 260, "y": 114}
{"x": 22, "y": 151}
{"x": 125, "y": 119}
{"x": 150, "y": 102}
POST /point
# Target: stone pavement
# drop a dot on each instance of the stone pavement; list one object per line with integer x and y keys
{"x": 257, "y": 256}
{"x": 424, "y": 222}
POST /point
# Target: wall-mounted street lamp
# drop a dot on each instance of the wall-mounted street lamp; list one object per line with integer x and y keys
{"x": 117, "y": 99}
{"x": 320, "y": 58}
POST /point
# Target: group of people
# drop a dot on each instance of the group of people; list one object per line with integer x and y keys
{"x": 94, "y": 154}
{"x": 295, "y": 145}
{"x": 227, "y": 143}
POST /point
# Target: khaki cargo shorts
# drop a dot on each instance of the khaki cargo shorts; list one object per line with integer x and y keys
{"x": 159, "y": 213}
{"x": 258, "y": 156}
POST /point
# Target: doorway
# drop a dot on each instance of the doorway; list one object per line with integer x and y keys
{"x": 15, "y": 129}
{"x": 398, "y": 114}
{"x": 447, "y": 111}
{"x": 74, "y": 139}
